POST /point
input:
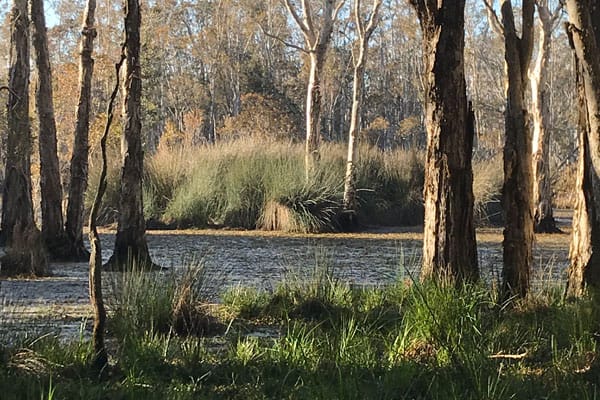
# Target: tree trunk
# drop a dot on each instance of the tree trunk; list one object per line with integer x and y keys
{"x": 357, "y": 94}
{"x": 518, "y": 178}
{"x": 313, "y": 111}
{"x": 584, "y": 30}
{"x": 51, "y": 190}
{"x": 363, "y": 34}
{"x": 130, "y": 243}
{"x": 542, "y": 189}
{"x": 79, "y": 158}
{"x": 316, "y": 39}
{"x": 449, "y": 246}
{"x": 25, "y": 253}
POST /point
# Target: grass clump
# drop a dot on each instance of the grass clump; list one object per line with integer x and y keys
{"x": 158, "y": 302}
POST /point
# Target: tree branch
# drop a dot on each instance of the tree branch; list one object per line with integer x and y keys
{"x": 307, "y": 13}
{"x": 358, "y": 19}
{"x": 493, "y": 19}
{"x": 296, "y": 17}
{"x": 373, "y": 19}
{"x": 8, "y": 89}
{"x": 285, "y": 43}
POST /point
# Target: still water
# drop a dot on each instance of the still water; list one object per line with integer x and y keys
{"x": 262, "y": 260}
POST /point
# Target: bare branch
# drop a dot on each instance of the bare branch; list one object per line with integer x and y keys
{"x": 337, "y": 10}
{"x": 509, "y": 356}
{"x": 10, "y": 91}
{"x": 285, "y": 43}
{"x": 493, "y": 19}
{"x": 358, "y": 19}
{"x": 307, "y": 15}
{"x": 373, "y": 19}
{"x": 556, "y": 14}
{"x": 296, "y": 17}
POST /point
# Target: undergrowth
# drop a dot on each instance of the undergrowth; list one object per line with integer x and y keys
{"x": 317, "y": 337}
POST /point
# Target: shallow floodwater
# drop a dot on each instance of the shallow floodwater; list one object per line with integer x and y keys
{"x": 262, "y": 260}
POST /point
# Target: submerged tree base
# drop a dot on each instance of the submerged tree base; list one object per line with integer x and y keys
{"x": 547, "y": 225}
{"x": 62, "y": 249}
{"x": 27, "y": 256}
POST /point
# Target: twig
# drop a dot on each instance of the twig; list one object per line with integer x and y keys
{"x": 509, "y": 356}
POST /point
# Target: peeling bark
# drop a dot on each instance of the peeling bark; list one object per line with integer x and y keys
{"x": 538, "y": 76}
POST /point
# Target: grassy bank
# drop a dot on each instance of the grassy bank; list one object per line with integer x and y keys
{"x": 315, "y": 337}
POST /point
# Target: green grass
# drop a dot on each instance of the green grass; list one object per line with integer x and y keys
{"x": 315, "y": 337}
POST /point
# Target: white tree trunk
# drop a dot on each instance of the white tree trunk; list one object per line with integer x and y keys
{"x": 538, "y": 78}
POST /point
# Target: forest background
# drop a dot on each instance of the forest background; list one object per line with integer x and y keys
{"x": 214, "y": 71}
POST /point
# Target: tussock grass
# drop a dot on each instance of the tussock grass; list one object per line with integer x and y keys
{"x": 488, "y": 177}
{"x": 250, "y": 184}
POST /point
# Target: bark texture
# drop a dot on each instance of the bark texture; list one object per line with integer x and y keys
{"x": 79, "y": 158}
{"x": 449, "y": 246}
{"x": 50, "y": 186}
{"x": 130, "y": 242}
{"x": 518, "y": 177}
{"x": 584, "y": 31}
{"x": 25, "y": 249}
{"x": 363, "y": 35}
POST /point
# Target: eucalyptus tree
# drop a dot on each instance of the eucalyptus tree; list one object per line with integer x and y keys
{"x": 79, "y": 157}
{"x": 541, "y": 118}
{"x": 364, "y": 30}
{"x": 53, "y": 231}
{"x": 449, "y": 246}
{"x": 517, "y": 190}
{"x": 316, "y": 25}
{"x": 130, "y": 242}
{"x": 25, "y": 249}
{"x": 584, "y": 30}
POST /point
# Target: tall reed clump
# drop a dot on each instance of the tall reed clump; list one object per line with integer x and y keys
{"x": 252, "y": 184}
